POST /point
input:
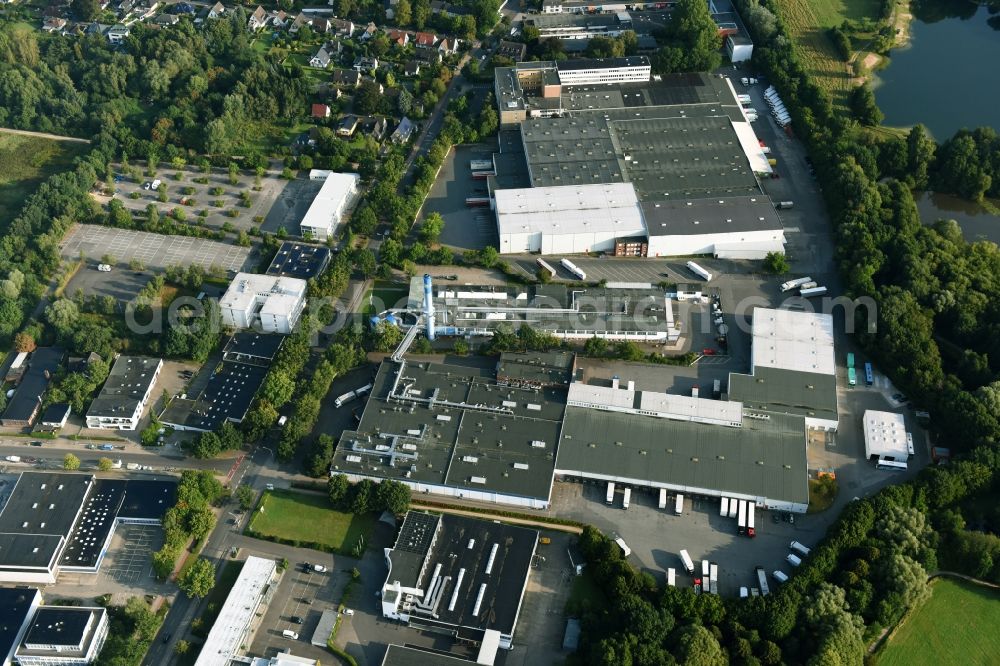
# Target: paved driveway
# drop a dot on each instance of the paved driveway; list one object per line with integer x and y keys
{"x": 153, "y": 250}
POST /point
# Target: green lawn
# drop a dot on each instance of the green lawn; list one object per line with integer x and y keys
{"x": 585, "y": 595}
{"x": 957, "y": 625}
{"x": 25, "y": 162}
{"x": 808, "y": 20}
{"x": 308, "y": 520}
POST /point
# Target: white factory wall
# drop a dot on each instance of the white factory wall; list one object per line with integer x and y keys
{"x": 449, "y": 491}
{"x": 570, "y": 243}
{"x": 687, "y": 244}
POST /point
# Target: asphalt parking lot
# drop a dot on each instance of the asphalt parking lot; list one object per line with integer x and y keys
{"x": 301, "y": 594}
{"x": 129, "y": 560}
{"x": 465, "y": 228}
{"x": 290, "y": 205}
{"x": 153, "y": 250}
{"x": 226, "y": 197}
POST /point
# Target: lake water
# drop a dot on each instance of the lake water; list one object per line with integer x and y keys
{"x": 949, "y": 76}
{"x": 976, "y": 223}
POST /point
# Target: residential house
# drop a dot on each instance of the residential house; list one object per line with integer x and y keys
{"x": 145, "y": 9}
{"x": 320, "y": 111}
{"x": 366, "y": 64}
{"x": 258, "y": 19}
{"x": 117, "y": 34}
{"x": 404, "y": 131}
{"x": 321, "y": 25}
{"x": 375, "y": 127}
{"x": 279, "y": 19}
{"x": 216, "y": 11}
{"x": 53, "y": 24}
{"x": 368, "y": 32}
{"x": 398, "y": 37}
{"x": 412, "y": 68}
{"x": 425, "y": 39}
{"x": 516, "y": 51}
{"x": 342, "y": 27}
{"x": 347, "y": 126}
{"x": 298, "y": 22}
{"x": 321, "y": 59}
{"x": 381, "y": 88}
{"x": 165, "y": 20}
{"x": 124, "y": 8}
{"x": 448, "y": 9}
{"x": 448, "y": 46}
{"x": 347, "y": 78}
{"x": 430, "y": 56}
{"x": 390, "y": 8}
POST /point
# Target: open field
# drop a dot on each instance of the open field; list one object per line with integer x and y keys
{"x": 25, "y": 162}
{"x": 308, "y": 519}
{"x": 808, "y": 21}
{"x": 956, "y": 626}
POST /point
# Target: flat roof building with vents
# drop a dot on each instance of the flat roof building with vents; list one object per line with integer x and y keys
{"x": 885, "y": 436}
{"x": 299, "y": 260}
{"x": 19, "y": 605}
{"x": 235, "y": 624}
{"x": 271, "y": 302}
{"x": 64, "y": 636}
{"x": 231, "y": 388}
{"x": 459, "y": 575}
{"x": 744, "y": 227}
{"x": 335, "y": 196}
{"x": 125, "y": 394}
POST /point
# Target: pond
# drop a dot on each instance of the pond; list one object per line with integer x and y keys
{"x": 947, "y": 77}
{"x": 976, "y": 222}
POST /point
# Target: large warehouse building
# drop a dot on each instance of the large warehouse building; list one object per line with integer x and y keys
{"x": 672, "y": 165}
{"x": 460, "y": 576}
{"x": 338, "y": 192}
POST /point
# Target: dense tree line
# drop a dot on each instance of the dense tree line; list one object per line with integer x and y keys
{"x": 189, "y": 518}
{"x": 366, "y": 495}
{"x": 691, "y": 40}
{"x": 132, "y": 630}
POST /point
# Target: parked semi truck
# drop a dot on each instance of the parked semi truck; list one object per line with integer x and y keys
{"x": 794, "y": 284}
{"x": 741, "y": 524}
{"x": 663, "y": 498}
{"x": 686, "y": 561}
{"x": 572, "y": 268}
{"x": 762, "y": 581}
{"x": 699, "y": 271}
{"x": 610, "y": 499}
{"x": 724, "y": 507}
{"x": 751, "y": 530}
{"x": 625, "y": 549}
{"x": 627, "y": 499}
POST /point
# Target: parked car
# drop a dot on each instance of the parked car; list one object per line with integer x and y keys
{"x": 104, "y": 268}
{"x": 708, "y": 351}
{"x": 295, "y": 619}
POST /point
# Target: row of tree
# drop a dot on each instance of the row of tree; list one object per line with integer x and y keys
{"x": 366, "y": 496}
{"x": 189, "y": 519}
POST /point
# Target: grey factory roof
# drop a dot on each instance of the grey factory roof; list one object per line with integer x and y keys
{"x": 253, "y": 348}
{"x": 97, "y": 520}
{"x": 398, "y": 655}
{"x": 147, "y": 499}
{"x": 709, "y": 216}
{"x": 764, "y": 458}
{"x": 16, "y": 604}
{"x": 65, "y": 626}
{"x": 228, "y": 394}
{"x": 809, "y": 394}
{"x": 549, "y": 21}
{"x": 453, "y": 426}
{"x": 298, "y": 260}
{"x": 539, "y": 368}
{"x": 663, "y": 157}
{"x": 43, "y": 362}
{"x": 127, "y": 384}
{"x": 44, "y": 503}
{"x": 29, "y": 551}
{"x": 413, "y": 543}
{"x": 467, "y": 543}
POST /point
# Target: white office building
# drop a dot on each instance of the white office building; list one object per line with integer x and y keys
{"x": 125, "y": 394}
{"x": 233, "y": 629}
{"x": 885, "y": 437}
{"x": 64, "y": 636}
{"x": 590, "y": 71}
{"x": 338, "y": 192}
{"x": 274, "y": 303}
{"x": 568, "y": 219}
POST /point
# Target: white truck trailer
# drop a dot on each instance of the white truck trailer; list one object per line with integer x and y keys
{"x": 628, "y": 498}
{"x": 611, "y": 493}
{"x": 699, "y": 271}
{"x": 686, "y": 561}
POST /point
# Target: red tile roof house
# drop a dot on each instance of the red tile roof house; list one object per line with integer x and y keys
{"x": 425, "y": 39}
{"x": 320, "y": 111}
{"x": 398, "y": 37}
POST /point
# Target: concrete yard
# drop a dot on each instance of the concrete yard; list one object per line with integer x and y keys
{"x": 290, "y": 206}
{"x": 465, "y": 228}
{"x": 153, "y": 250}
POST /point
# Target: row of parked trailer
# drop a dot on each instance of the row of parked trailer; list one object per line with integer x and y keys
{"x": 743, "y": 511}
{"x": 806, "y": 285}
{"x": 778, "y": 110}
{"x": 351, "y": 395}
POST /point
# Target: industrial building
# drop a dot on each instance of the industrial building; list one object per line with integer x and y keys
{"x": 338, "y": 192}
{"x": 231, "y": 388}
{"x": 567, "y": 220}
{"x": 460, "y": 576}
{"x": 125, "y": 394}
{"x": 270, "y": 302}
{"x": 19, "y": 605}
{"x": 237, "y": 619}
{"x": 24, "y": 406}
{"x": 580, "y": 26}
{"x": 744, "y": 227}
{"x": 64, "y": 636}
{"x": 408, "y": 655}
{"x": 454, "y": 430}
{"x": 629, "y": 311}
{"x": 886, "y": 439}
{"x": 298, "y": 260}
{"x": 792, "y": 367}
{"x": 56, "y": 522}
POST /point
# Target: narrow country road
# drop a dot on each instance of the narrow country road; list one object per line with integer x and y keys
{"x": 43, "y": 135}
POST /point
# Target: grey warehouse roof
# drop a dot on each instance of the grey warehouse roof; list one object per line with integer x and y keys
{"x": 764, "y": 458}
{"x": 398, "y": 655}
{"x": 126, "y": 386}
{"x": 709, "y": 216}
{"x": 809, "y": 394}
{"x": 60, "y": 625}
{"x": 454, "y": 426}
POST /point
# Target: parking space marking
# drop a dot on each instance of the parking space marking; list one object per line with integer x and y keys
{"x": 94, "y": 241}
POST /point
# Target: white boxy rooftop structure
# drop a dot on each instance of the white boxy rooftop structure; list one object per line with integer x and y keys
{"x": 233, "y": 626}
{"x": 275, "y": 302}
{"x": 885, "y": 435}
{"x": 333, "y": 198}
{"x": 790, "y": 340}
{"x": 567, "y": 219}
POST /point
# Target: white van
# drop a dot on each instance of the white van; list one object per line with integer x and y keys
{"x": 793, "y": 560}
{"x": 780, "y": 576}
{"x": 743, "y": 592}
{"x": 288, "y": 633}
{"x": 679, "y": 505}
{"x": 627, "y": 498}
{"x": 799, "y": 548}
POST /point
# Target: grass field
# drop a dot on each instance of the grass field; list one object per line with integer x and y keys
{"x": 956, "y": 626}
{"x": 25, "y": 162}
{"x": 585, "y": 595}
{"x": 308, "y": 520}
{"x": 808, "y": 20}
